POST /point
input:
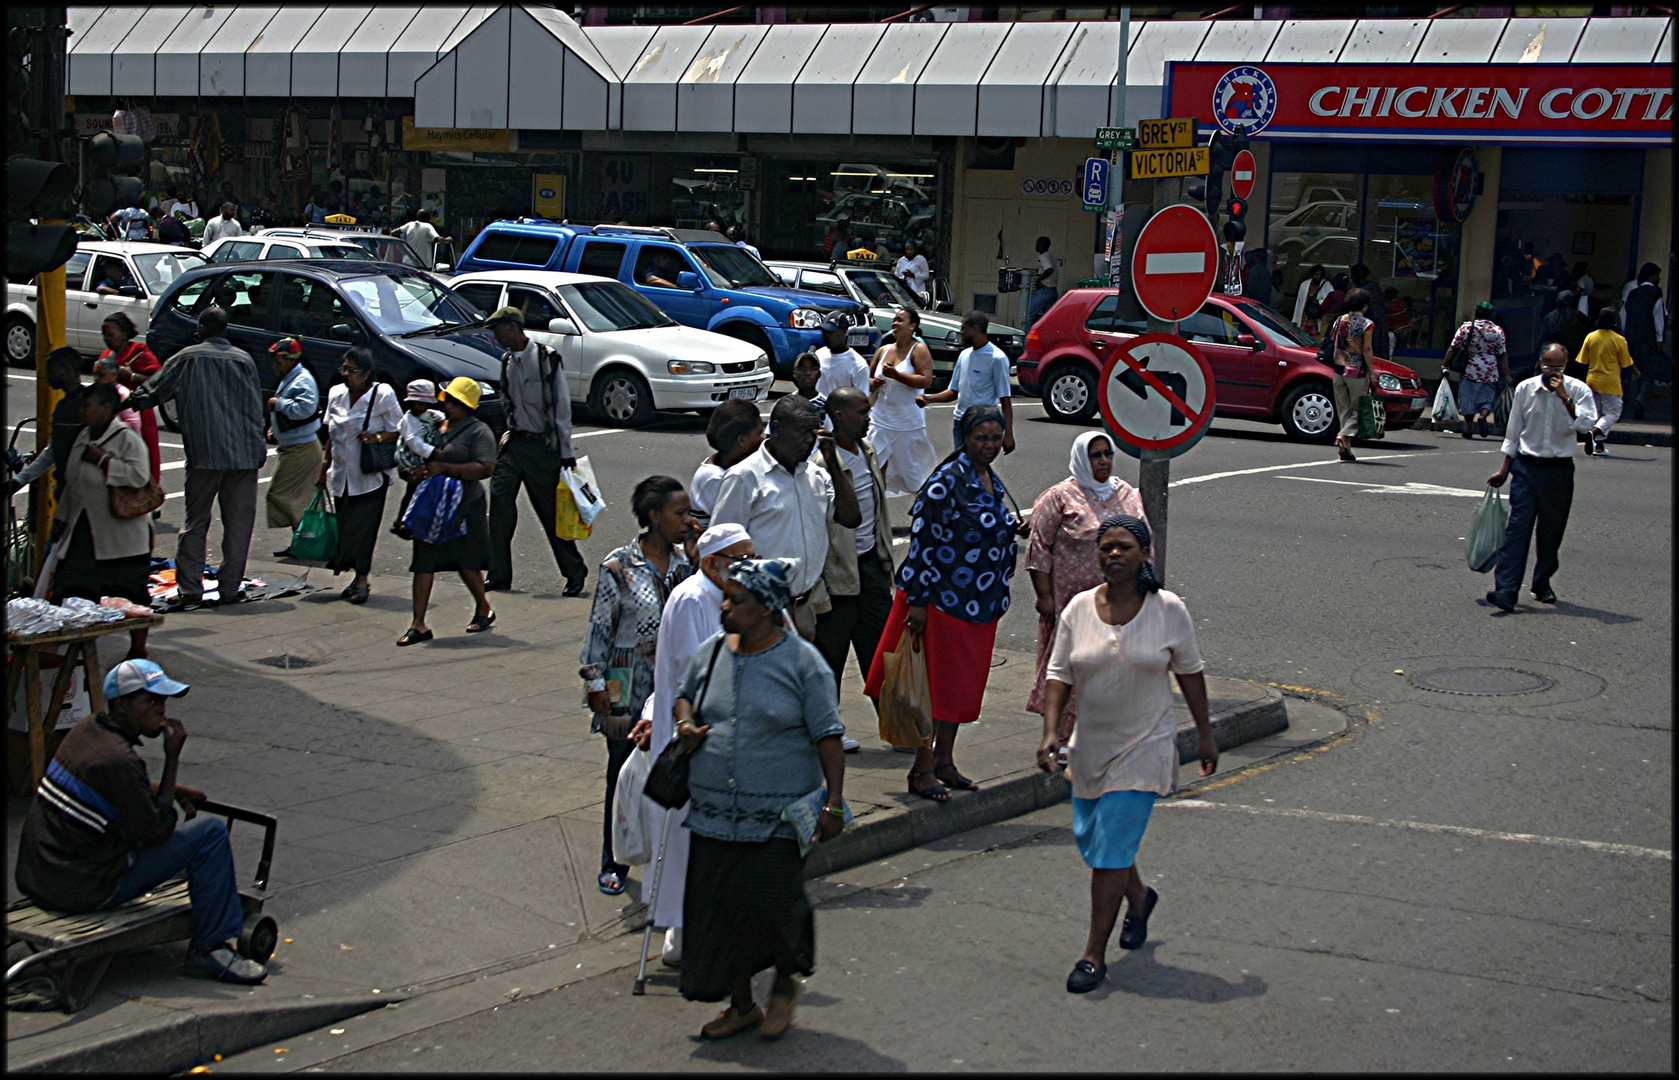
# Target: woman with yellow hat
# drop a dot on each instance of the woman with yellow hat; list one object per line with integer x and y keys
{"x": 466, "y": 450}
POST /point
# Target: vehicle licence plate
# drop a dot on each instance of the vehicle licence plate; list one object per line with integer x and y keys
{"x": 857, "y": 339}
{"x": 746, "y": 393}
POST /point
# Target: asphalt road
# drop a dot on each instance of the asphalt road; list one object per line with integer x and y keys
{"x": 1460, "y": 882}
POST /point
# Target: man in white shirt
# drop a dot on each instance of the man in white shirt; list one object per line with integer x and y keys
{"x": 1548, "y": 410}
{"x": 841, "y": 364}
{"x": 1044, "y": 292}
{"x": 226, "y": 225}
{"x": 912, "y": 269}
{"x": 785, "y": 500}
{"x": 980, "y": 377}
{"x": 422, "y": 236}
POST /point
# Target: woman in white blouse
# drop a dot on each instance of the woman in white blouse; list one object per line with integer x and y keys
{"x": 358, "y": 410}
{"x": 1115, "y": 645}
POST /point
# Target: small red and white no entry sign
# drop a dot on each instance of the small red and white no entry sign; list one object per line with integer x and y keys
{"x": 1175, "y": 264}
{"x": 1156, "y": 393}
{"x": 1241, "y": 174}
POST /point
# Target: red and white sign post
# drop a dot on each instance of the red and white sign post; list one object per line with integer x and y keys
{"x": 1241, "y": 174}
{"x": 1175, "y": 264}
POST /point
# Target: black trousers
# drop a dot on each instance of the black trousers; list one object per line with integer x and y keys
{"x": 617, "y": 752}
{"x": 857, "y": 622}
{"x": 1541, "y": 493}
{"x": 529, "y": 462}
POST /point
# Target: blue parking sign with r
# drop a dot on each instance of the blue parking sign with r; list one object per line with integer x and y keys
{"x": 1094, "y": 183}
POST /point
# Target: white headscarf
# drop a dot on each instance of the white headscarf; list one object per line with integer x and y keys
{"x": 1079, "y": 463}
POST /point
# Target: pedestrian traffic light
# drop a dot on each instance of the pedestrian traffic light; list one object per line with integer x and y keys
{"x": 107, "y": 189}
{"x": 1236, "y": 228}
{"x": 37, "y": 189}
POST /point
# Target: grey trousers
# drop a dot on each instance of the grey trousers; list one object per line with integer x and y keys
{"x": 1347, "y": 393}
{"x": 234, "y": 491}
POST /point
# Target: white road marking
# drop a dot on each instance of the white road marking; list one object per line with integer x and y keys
{"x": 1411, "y": 488}
{"x": 1306, "y": 465}
{"x": 1423, "y": 826}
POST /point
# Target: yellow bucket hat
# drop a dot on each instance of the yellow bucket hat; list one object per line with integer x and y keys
{"x": 462, "y": 389}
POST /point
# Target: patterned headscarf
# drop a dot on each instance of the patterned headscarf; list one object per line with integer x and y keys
{"x": 1146, "y": 581}
{"x": 770, "y": 581}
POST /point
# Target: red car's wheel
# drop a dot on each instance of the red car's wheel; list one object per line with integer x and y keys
{"x": 1308, "y": 412}
{"x": 1069, "y": 392}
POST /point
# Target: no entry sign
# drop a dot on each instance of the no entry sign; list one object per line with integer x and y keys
{"x": 1241, "y": 174}
{"x": 1156, "y": 393}
{"x": 1175, "y": 264}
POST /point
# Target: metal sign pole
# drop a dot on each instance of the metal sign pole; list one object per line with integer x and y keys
{"x": 1154, "y": 467}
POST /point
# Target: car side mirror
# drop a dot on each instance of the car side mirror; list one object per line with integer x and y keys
{"x": 1248, "y": 341}
{"x": 687, "y": 279}
{"x": 945, "y": 306}
{"x": 346, "y": 332}
{"x": 562, "y": 326}
{"x": 130, "y": 290}
{"x": 441, "y": 268}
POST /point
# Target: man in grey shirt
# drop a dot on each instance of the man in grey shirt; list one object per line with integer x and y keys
{"x": 221, "y": 420}
{"x": 535, "y": 448}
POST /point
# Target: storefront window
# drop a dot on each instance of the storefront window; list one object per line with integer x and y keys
{"x": 1313, "y": 221}
{"x": 1414, "y": 254}
{"x": 819, "y": 210}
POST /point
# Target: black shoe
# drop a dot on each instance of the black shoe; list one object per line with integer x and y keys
{"x": 283, "y": 553}
{"x": 573, "y": 587}
{"x": 1500, "y": 601}
{"x": 402, "y": 531}
{"x": 498, "y": 586}
{"x": 1544, "y": 594}
{"x": 1135, "y": 929}
{"x": 1085, "y": 977}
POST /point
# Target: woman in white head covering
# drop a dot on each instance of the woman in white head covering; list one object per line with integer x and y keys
{"x": 1062, "y": 555}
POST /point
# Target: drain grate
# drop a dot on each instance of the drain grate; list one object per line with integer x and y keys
{"x": 1481, "y": 681}
{"x": 286, "y": 661}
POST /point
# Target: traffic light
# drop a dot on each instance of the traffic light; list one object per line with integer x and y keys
{"x": 107, "y": 189}
{"x": 1211, "y": 191}
{"x": 37, "y": 189}
{"x": 1236, "y": 228}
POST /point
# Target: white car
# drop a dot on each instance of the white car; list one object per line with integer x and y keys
{"x": 624, "y": 357}
{"x": 266, "y": 245}
{"x": 381, "y": 246}
{"x": 138, "y": 271}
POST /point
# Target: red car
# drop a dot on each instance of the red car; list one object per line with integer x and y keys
{"x": 1264, "y": 368}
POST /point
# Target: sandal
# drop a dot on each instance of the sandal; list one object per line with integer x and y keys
{"x": 479, "y": 624}
{"x": 412, "y": 636}
{"x": 954, "y": 779}
{"x": 936, "y": 792}
{"x": 616, "y": 886}
{"x": 357, "y": 594}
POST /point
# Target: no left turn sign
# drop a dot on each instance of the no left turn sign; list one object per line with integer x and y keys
{"x": 1156, "y": 393}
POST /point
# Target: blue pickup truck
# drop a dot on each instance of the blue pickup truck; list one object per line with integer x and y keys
{"x": 696, "y": 277}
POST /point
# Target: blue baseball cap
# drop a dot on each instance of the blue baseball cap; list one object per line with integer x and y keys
{"x": 132, "y": 676}
{"x": 835, "y": 321}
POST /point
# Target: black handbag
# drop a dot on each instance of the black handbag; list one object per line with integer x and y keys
{"x": 375, "y": 456}
{"x": 667, "y": 780}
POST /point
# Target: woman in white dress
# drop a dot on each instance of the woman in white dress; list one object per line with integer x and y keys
{"x": 901, "y": 369}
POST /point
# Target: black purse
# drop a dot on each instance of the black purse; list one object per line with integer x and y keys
{"x": 375, "y": 456}
{"x": 667, "y": 780}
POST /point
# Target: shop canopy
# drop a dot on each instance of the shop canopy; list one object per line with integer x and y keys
{"x": 519, "y": 66}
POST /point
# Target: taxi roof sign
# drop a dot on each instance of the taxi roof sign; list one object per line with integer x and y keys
{"x": 340, "y": 219}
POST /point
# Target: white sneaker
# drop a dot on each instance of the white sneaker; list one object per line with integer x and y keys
{"x": 224, "y": 964}
{"x": 849, "y": 745}
{"x": 671, "y": 954}
{"x": 1602, "y": 450}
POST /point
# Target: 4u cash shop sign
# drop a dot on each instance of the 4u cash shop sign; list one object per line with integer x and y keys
{"x": 1614, "y": 104}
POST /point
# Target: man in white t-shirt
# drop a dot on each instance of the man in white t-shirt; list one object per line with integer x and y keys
{"x": 132, "y": 223}
{"x": 422, "y": 236}
{"x": 225, "y": 225}
{"x": 980, "y": 377}
{"x": 1044, "y": 292}
{"x": 841, "y": 364}
{"x": 912, "y": 269}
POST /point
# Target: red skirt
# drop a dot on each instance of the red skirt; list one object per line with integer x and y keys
{"x": 958, "y": 660}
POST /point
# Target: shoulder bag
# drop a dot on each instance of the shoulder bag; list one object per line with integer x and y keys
{"x": 133, "y": 502}
{"x": 667, "y": 781}
{"x": 376, "y": 457}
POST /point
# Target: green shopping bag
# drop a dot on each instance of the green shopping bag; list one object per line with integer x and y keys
{"x": 316, "y": 537}
{"x": 1372, "y": 417}
{"x": 1486, "y": 532}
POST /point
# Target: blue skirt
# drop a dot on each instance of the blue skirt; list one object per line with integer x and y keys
{"x": 1474, "y": 397}
{"x": 1109, "y": 829}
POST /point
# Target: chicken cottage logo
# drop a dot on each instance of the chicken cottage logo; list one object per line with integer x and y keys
{"x": 1244, "y": 98}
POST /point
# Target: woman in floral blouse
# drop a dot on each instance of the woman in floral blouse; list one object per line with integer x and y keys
{"x": 1062, "y": 555}
{"x": 1486, "y": 367}
{"x": 953, "y": 586}
{"x": 624, "y": 628}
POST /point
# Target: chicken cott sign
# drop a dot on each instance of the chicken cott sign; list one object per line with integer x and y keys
{"x": 1625, "y": 104}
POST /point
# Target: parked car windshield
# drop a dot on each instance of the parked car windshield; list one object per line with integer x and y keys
{"x": 731, "y": 267}
{"x": 400, "y": 305}
{"x": 1280, "y": 329}
{"x": 604, "y": 306}
{"x": 160, "y": 270}
{"x": 882, "y": 289}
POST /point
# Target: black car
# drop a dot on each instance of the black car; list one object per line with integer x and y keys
{"x": 416, "y": 327}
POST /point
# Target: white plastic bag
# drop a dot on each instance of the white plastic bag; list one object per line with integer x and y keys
{"x": 632, "y": 832}
{"x": 1445, "y": 404}
{"x": 585, "y": 490}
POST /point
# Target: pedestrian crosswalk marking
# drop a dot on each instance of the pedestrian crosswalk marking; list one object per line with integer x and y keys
{"x": 1411, "y": 488}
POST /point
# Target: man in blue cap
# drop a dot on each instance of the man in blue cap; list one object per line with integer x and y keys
{"x": 101, "y": 832}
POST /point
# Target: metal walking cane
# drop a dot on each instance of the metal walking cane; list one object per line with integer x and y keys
{"x": 653, "y": 904}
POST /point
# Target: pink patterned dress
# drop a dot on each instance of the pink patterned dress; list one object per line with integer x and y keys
{"x": 1064, "y": 523}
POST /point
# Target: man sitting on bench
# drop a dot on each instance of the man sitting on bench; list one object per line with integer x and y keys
{"x": 100, "y": 831}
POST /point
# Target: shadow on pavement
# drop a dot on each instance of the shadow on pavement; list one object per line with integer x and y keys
{"x": 1142, "y": 975}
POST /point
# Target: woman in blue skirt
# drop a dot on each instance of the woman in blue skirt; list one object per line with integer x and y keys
{"x": 1116, "y": 645}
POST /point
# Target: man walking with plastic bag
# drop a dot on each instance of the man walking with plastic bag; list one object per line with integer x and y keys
{"x": 1548, "y": 411}
{"x": 535, "y": 448}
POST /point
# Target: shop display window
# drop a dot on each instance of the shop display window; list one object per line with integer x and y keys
{"x": 819, "y": 210}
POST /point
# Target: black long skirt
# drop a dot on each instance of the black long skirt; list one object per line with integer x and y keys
{"x": 744, "y": 910}
{"x": 469, "y": 552}
{"x": 81, "y": 573}
{"x": 358, "y": 530}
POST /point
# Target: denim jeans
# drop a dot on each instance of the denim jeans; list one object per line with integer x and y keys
{"x": 201, "y": 848}
{"x": 1042, "y": 300}
{"x": 1541, "y": 494}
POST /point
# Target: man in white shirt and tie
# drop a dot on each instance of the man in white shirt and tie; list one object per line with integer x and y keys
{"x": 1547, "y": 412}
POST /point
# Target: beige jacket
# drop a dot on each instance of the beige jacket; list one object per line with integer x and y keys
{"x": 840, "y": 574}
{"x": 87, "y": 491}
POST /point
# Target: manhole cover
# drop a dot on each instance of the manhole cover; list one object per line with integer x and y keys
{"x": 1482, "y": 681}
{"x": 286, "y": 661}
